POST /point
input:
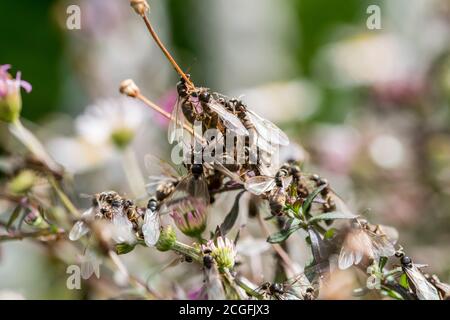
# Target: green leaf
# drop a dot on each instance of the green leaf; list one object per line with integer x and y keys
{"x": 392, "y": 294}
{"x": 15, "y": 214}
{"x": 123, "y": 248}
{"x": 231, "y": 217}
{"x": 382, "y": 263}
{"x": 332, "y": 216}
{"x": 403, "y": 281}
{"x": 306, "y": 207}
{"x": 329, "y": 234}
{"x": 283, "y": 234}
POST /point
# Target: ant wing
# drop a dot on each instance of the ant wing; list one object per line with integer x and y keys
{"x": 151, "y": 228}
{"x": 260, "y": 184}
{"x": 123, "y": 228}
{"x": 423, "y": 289}
{"x": 381, "y": 246}
{"x": 80, "y": 228}
{"x": 157, "y": 166}
{"x": 233, "y": 176}
{"x": 90, "y": 264}
{"x": 175, "y": 132}
{"x": 230, "y": 121}
{"x": 286, "y": 181}
{"x": 190, "y": 188}
{"x": 268, "y": 130}
{"x": 213, "y": 287}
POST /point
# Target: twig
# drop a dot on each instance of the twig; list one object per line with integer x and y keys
{"x": 166, "y": 114}
{"x": 36, "y": 234}
{"x": 166, "y": 52}
{"x": 64, "y": 198}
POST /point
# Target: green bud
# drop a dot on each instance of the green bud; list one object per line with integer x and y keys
{"x": 22, "y": 182}
{"x": 123, "y": 248}
{"x": 167, "y": 239}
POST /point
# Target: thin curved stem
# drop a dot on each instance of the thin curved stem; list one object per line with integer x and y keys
{"x": 166, "y": 52}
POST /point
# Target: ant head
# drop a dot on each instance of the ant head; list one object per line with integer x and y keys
{"x": 205, "y": 96}
{"x": 197, "y": 169}
{"x": 406, "y": 261}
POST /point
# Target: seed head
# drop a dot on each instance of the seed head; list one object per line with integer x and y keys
{"x": 129, "y": 88}
{"x": 140, "y": 6}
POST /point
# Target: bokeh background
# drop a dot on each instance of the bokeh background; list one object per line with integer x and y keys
{"x": 368, "y": 109}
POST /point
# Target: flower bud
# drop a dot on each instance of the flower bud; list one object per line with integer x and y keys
{"x": 167, "y": 239}
{"x": 140, "y": 6}
{"x": 10, "y": 98}
{"x": 129, "y": 88}
{"x": 22, "y": 182}
{"x": 190, "y": 217}
{"x": 224, "y": 252}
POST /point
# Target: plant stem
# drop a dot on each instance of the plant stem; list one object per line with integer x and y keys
{"x": 166, "y": 114}
{"x": 29, "y": 140}
{"x": 249, "y": 290}
{"x": 167, "y": 53}
{"x": 187, "y": 251}
{"x": 36, "y": 234}
{"x": 64, "y": 198}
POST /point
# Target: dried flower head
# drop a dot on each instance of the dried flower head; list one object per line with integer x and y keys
{"x": 10, "y": 98}
{"x": 129, "y": 88}
{"x": 190, "y": 217}
{"x": 140, "y": 6}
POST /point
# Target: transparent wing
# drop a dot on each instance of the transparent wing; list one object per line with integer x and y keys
{"x": 80, "y": 228}
{"x": 213, "y": 288}
{"x": 262, "y": 143}
{"x": 175, "y": 132}
{"x": 260, "y": 184}
{"x": 268, "y": 130}
{"x": 123, "y": 228}
{"x": 390, "y": 232}
{"x": 233, "y": 176}
{"x": 230, "y": 120}
{"x": 381, "y": 246}
{"x": 151, "y": 228}
{"x": 346, "y": 258}
{"x": 424, "y": 290}
{"x": 156, "y": 166}
{"x": 90, "y": 264}
{"x": 286, "y": 181}
{"x": 189, "y": 187}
